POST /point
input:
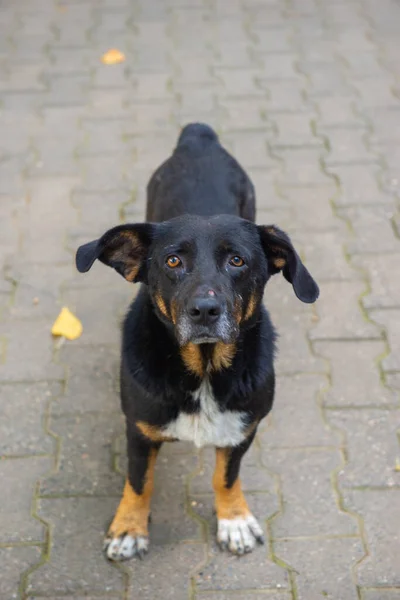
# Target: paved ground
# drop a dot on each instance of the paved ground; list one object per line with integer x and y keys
{"x": 307, "y": 95}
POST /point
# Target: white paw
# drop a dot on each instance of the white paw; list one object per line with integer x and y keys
{"x": 239, "y": 535}
{"x": 126, "y": 546}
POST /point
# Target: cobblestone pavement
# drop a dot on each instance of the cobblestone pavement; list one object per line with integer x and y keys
{"x": 306, "y": 93}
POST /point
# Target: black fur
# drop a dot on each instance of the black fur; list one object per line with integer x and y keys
{"x": 201, "y": 211}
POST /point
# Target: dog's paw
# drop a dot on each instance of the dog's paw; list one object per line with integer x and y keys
{"x": 239, "y": 535}
{"x": 126, "y": 546}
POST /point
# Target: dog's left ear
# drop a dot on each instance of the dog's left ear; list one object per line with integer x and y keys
{"x": 283, "y": 257}
{"x": 124, "y": 248}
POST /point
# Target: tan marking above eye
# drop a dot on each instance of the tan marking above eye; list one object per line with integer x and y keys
{"x": 279, "y": 263}
{"x": 173, "y": 261}
{"x": 236, "y": 261}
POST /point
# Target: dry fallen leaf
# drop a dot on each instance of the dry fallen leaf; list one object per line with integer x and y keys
{"x": 113, "y": 57}
{"x": 67, "y": 325}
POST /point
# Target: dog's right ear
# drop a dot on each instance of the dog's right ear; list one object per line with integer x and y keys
{"x": 124, "y": 248}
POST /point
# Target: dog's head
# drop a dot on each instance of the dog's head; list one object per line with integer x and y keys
{"x": 205, "y": 276}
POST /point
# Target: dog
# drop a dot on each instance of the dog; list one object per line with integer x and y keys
{"x": 198, "y": 344}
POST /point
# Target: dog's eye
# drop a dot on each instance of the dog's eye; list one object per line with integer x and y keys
{"x": 236, "y": 261}
{"x": 173, "y": 262}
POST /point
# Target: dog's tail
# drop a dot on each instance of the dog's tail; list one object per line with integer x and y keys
{"x": 199, "y": 132}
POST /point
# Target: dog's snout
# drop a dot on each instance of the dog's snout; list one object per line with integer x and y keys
{"x": 204, "y": 311}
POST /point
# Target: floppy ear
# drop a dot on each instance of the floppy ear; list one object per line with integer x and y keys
{"x": 124, "y": 248}
{"x": 283, "y": 257}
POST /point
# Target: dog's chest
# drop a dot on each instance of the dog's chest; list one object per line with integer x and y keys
{"x": 210, "y": 425}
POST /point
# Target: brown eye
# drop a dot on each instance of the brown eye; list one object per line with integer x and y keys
{"x": 173, "y": 262}
{"x": 236, "y": 261}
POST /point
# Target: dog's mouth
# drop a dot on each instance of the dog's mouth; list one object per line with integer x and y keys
{"x": 205, "y": 339}
{"x": 225, "y": 331}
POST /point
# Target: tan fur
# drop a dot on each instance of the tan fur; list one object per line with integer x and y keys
{"x": 161, "y": 305}
{"x": 191, "y": 356}
{"x": 279, "y": 263}
{"x": 223, "y": 356}
{"x": 133, "y": 511}
{"x": 152, "y": 432}
{"x": 230, "y": 503}
{"x": 251, "y": 306}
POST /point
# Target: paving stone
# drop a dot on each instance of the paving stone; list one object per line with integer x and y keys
{"x": 340, "y": 316}
{"x": 85, "y": 455}
{"x": 26, "y": 361}
{"x": 249, "y": 594}
{"x": 92, "y": 381}
{"x": 297, "y": 400}
{"x": 372, "y": 446}
{"x": 326, "y": 258}
{"x": 302, "y": 166}
{"x": 380, "y": 594}
{"x": 165, "y": 575}
{"x": 309, "y": 499}
{"x": 390, "y": 320}
{"x": 348, "y": 146}
{"x": 23, "y": 410}
{"x": 16, "y": 513}
{"x": 373, "y": 230}
{"x": 312, "y": 207}
{"x": 323, "y": 567}
{"x": 358, "y": 185}
{"x": 337, "y": 111}
{"x": 15, "y": 561}
{"x": 379, "y": 510}
{"x": 359, "y": 385}
{"x": 76, "y": 523}
{"x": 384, "y": 291}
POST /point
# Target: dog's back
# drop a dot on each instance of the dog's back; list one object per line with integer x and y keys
{"x": 199, "y": 178}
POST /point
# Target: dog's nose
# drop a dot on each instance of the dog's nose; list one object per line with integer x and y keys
{"x": 204, "y": 311}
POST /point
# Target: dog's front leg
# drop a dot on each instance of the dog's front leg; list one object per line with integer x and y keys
{"x": 128, "y": 533}
{"x": 238, "y": 530}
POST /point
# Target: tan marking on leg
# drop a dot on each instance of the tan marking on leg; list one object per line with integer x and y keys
{"x": 152, "y": 432}
{"x": 251, "y": 307}
{"x": 133, "y": 511}
{"x": 230, "y": 503}
{"x": 191, "y": 356}
{"x": 223, "y": 356}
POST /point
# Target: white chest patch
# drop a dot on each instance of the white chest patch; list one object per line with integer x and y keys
{"x": 209, "y": 426}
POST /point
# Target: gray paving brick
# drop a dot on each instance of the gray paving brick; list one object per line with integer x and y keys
{"x": 76, "y": 523}
{"x": 347, "y": 146}
{"x": 297, "y": 399}
{"x": 372, "y": 447}
{"x": 310, "y": 506}
{"x": 390, "y": 321}
{"x": 23, "y": 409}
{"x": 16, "y": 510}
{"x": 15, "y": 561}
{"x": 361, "y": 385}
{"x": 373, "y": 230}
{"x": 340, "y": 314}
{"x": 92, "y": 379}
{"x": 323, "y": 567}
{"x": 384, "y": 288}
{"x": 85, "y": 455}
{"x": 380, "y": 567}
{"x": 380, "y": 594}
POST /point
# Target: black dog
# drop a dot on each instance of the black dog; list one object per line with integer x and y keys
{"x": 198, "y": 345}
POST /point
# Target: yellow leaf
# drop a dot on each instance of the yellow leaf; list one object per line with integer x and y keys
{"x": 113, "y": 57}
{"x": 67, "y": 325}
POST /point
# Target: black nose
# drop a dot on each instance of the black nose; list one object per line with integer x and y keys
{"x": 204, "y": 311}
